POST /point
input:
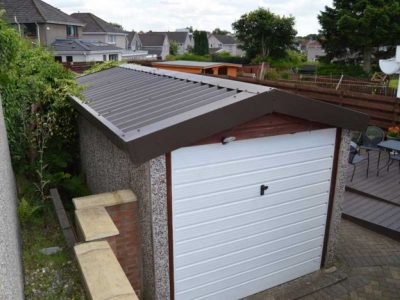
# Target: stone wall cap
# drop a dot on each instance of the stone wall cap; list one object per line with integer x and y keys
{"x": 103, "y": 275}
{"x": 95, "y": 223}
{"x": 104, "y": 199}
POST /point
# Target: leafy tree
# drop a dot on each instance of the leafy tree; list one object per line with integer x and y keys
{"x": 359, "y": 26}
{"x": 263, "y": 33}
{"x": 200, "y": 42}
{"x": 173, "y": 48}
{"x": 220, "y": 31}
{"x": 190, "y": 28}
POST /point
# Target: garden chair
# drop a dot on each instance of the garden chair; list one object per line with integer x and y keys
{"x": 355, "y": 158}
{"x": 369, "y": 142}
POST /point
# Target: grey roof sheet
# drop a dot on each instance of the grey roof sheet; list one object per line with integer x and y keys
{"x": 150, "y": 112}
{"x": 35, "y": 11}
{"x": 82, "y": 45}
{"x": 96, "y": 24}
{"x": 225, "y": 39}
{"x": 152, "y": 39}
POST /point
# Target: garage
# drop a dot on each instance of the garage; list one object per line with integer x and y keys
{"x": 239, "y": 186}
{"x": 249, "y": 215}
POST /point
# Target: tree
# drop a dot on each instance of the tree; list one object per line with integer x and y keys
{"x": 173, "y": 48}
{"x": 359, "y": 26}
{"x": 261, "y": 32}
{"x": 200, "y": 42}
{"x": 220, "y": 31}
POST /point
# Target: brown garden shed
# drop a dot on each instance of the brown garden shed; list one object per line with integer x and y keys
{"x": 239, "y": 185}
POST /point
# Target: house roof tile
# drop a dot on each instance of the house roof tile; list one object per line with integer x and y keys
{"x": 35, "y": 11}
{"x": 96, "y": 24}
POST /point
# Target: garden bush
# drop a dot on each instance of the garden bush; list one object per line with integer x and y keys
{"x": 40, "y": 119}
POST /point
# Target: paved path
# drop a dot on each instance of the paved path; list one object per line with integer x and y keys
{"x": 372, "y": 263}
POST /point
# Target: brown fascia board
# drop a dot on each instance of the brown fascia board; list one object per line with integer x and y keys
{"x": 318, "y": 111}
{"x": 189, "y": 127}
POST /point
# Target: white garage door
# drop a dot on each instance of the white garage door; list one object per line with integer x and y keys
{"x": 229, "y": 240}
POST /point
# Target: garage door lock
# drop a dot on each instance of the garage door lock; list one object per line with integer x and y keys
{"x": 263, "y": 188}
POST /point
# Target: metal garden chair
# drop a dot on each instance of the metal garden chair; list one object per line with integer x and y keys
{"x": 355, "y": 158}
{"x": 369, "y": 141}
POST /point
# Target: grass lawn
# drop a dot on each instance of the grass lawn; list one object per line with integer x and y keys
{"x": 53, "y": 276}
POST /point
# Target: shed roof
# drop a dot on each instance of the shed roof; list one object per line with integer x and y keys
{"x": 198, "y": 64}
{"x": 150, "y": 112}
{"x": 35, "y": 11}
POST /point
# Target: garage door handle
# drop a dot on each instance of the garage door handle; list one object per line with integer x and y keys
{"x": 263, "y": 188}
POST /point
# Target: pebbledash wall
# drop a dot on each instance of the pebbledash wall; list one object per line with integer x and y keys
{"x": 108, "y": 168}
{"x": 11, "y": 276}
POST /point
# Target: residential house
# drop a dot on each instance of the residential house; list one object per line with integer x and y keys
{"x": 134, "y": 42}
{"x": 224, "y": 43}
{"x": 313, "y": 50}
{"x": 40, "y": 22}
{"x": 77, "y": 50}
{"x": 155, "y": 43}
{"x": 183, "y": 39}
{"x": 97, "y": 29}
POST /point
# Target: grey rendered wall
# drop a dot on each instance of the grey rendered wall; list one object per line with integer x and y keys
{"x": 11, "y": 278}
{"x": 108, "y": 168}
{"x": 338, "y": 198}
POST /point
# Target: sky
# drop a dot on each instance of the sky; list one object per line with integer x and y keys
{"x": 163, "y": 15}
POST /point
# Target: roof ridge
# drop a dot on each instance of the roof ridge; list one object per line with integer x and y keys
{"x": 38, "y": 10}
{"x": 94, "y": 17}
{"x": 81, "y": 44}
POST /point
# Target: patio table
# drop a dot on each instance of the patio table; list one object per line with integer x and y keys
{"x": 392, "y": 147}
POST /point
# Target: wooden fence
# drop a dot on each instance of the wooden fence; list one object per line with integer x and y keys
{"x": 383, "y": 110}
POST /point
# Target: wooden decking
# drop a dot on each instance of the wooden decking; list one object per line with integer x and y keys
{"x": 374, "y": 201}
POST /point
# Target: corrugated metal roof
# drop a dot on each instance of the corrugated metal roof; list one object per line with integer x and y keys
{"x": 150, "y": 111}
{"x": 131, "y": 98}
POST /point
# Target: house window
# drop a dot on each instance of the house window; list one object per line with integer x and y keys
{"x": 72, "y": 31}
{"x": 30, "y": 30}
{"x": 111, "y": 39}
{"x": 69, "y": 59}
{"x": 104, "y": 57}
{"x": 113, "y": 57}
{"x": 58, "y": 58}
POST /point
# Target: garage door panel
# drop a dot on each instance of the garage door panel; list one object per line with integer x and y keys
{"x": 195, "y": 188}
{"x": 232, "y": 234}
{"x": 311, "y": 184}
{"x": 210, "y": 171}
{"x": 266, "y": 241}
{"x": 228, "y": 240}
{"x": 247, "y": 218}
{"x": 216, "y": 274}
{"x": 244, "y": 289}
{"x": 183, "y": 158}
{"x": 253, "y": 274}
{"x": 270, "y": 242}
{"x": 276, "y": 201}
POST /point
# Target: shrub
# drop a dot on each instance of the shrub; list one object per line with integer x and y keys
{"x": 40, "y": 119}
{"x": 27, "y": 212}
{"x": 271, "y": 74}
{"x": 194, "y": 57}
{"x": 102, "y": 66}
